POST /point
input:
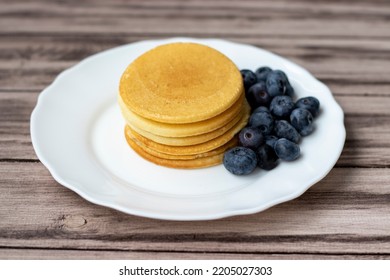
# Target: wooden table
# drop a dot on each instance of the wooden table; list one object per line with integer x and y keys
{"x": 346, "y": 45}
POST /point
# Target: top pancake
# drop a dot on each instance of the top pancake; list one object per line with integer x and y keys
{"x": 180, "y": 83}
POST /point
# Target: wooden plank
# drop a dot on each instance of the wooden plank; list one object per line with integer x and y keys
{"x": 183, "y": 25}
{"x": 280, "y": 17}
{"x": 35, "y": 65}
{"x": 57, "y": 254}
{"x": 205, "y": 9}
{"x": 346, "y": 213}
{"x": 367, "y": 118}
{"x": 15, "y": 111}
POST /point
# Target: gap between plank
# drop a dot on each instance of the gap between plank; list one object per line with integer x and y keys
{"x": 197, "y": 252}
{"x": 162, "y": 35}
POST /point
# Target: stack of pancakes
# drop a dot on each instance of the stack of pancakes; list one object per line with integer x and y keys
{"x": 183, "y": 104}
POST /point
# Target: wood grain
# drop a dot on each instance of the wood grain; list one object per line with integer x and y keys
{"x": 220, "y": 17}
{"x": 65, "y": 254}
{"x": 34, "y": 66}
{"x": 343, "y": 214}
{"x": 345, "y": 44}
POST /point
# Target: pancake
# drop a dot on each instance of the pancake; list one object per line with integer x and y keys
{"x": 233, "y": 142}
{"x": 191, "y": 149}
{"x": 177, "y": 163}
{"x": 181, "y": 130}
{"x": 180, "y": 83}
{"x": 189, "y": 140}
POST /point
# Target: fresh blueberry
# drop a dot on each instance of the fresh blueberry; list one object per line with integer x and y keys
{"x": 250, "y": 137}
{"x": 283, "y": 129}
{"x": 249, "y": 78}
{"x": 262, "y": 73}
{"x": 266, "y": 157}
{"x": 302, "y": 120}
{"x": 281, "y": 73}
{"x": 240, "y": 160}
{"x": 270, "y": 140}
{"x": 276, "y": 83}
{"x": 309, "y": 103}
{"x": 289, "y": 90}
{"x": 287, "y": 150}
{"x": 282, "y": 106}
{"x": 258, "y": 96}
{"x": 263, "y": 120}
{"x": 261, "y": 109}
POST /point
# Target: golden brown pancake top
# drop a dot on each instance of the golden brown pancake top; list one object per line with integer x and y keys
{"x": 180, "y": 83}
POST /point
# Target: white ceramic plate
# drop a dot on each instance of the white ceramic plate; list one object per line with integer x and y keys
{"x": 77, "y": 133}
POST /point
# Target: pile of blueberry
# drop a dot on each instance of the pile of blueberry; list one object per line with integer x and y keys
{"x": 275, "y": 126}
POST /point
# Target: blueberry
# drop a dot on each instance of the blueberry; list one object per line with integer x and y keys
{"x": 240, "y": 160}
{"x": 266, "y": 157}
{"x": 302, "y": 120}
{"x": 250, "y": 137}
{"x": 258, "y": 96}
{"x": 287, "y": 150}
{"x": 262, "y": 73}
{"x": 289, "y": 90}
{"x": 249, "y": 78}
{"x": 309, "y": 103}
{"x": 276, "y": 83}
{"x": 280, "y": 72}
{"x": 261, "y": 109}
{"x": 270, "y": 140}
{"x": 262, "y": 120}
{"x": 282, "y": 106}
{"x": 284, "y": 129}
